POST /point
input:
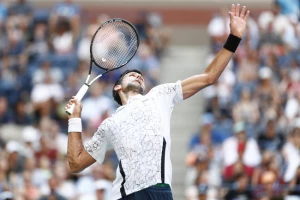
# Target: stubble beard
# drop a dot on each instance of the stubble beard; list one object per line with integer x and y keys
{"x": 134, "y": 87}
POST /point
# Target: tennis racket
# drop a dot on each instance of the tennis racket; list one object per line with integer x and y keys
{"x": 113, "y": 45}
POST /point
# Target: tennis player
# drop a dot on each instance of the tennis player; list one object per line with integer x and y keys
{"x": 139, "y": 131}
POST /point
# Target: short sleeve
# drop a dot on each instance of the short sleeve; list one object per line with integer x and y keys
{"x": 170, "y": 91}
{"x": 98, "y": 144}
{"x": 178, "y": 96}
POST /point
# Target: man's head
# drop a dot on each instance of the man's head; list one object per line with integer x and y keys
{"x": 296, "y": 136}
{"x": 239, "y": 130}
{"x": 242, "y": 181}
{"x": 130, "y": 80}
{"x": 271, "y": 129}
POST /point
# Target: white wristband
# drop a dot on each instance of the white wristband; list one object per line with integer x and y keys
{"x": 75, "y": 125}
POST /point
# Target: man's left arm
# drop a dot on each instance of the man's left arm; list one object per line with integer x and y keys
{"x": 193, "y": 84}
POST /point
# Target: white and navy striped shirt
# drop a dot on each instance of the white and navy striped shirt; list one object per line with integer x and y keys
{"x": 139, "y": 132}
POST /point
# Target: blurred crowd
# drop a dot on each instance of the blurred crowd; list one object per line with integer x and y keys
{"x": 44, "y": 60}
{"x": 248, "y": 142}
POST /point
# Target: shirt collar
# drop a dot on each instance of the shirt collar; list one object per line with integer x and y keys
{"x": 130, "y": 99}
{"x": 133, "y": 98}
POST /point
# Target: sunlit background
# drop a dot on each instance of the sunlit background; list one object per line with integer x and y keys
{"x": 237, "y": 139}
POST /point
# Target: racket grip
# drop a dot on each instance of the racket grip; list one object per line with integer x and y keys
{"x": 78, "y": 96}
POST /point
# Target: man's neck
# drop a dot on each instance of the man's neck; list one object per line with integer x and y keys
{"x": 128, "y": 95}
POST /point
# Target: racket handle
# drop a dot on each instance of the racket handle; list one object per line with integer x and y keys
{"x": 78, "y": 96}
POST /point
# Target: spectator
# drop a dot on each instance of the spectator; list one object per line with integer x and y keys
{"x": 282, "y": 25}
{"x": 8, "y": 80}
{"x": 6, "y": 195}
{"x": 149, "y": 65}
{"x": 247, "y": 73}
{"x": 270, "y": 139}
{"x": 46, "y": 150}
{"x": 158, "y": 34}
{"x": 103, "y": 189}
{"x": 222, "y": 118}
{"x": 203, "y": 137}
{"x": 58, "y": 140}
{"x": 240, "y": 189}
{"x": 3, "y": 13}
{"x": 30, "y": 191}
{"x": 45, "y": 95}
{"x": 89, "y": 186}
{"x": 66, "y": 186}
{"x": 45, "y": 70}
{"x": 246, "y": 109}
{"x": 20, "y": 7}
{"x": 268, "y": 163}
{"x": 218, "y": 29}
{"x": 39, "y": 45}
{"x": 84, "y": 45}
{"x": 202, "y": 184}
{"x": 21, "y": 11}
{"x": 97, "y": 106}
{"x": 30, "y": 136}
{"x": 4, "y": 113}
{"x": 62, "y": 38}
{"x": 292, "y": 107}
{"x": 81, "y": 72}
{"x": 288, "y": 7}
{"x": 4, "y": 172}
{"x": 66, "y": 9}
{"x": 15, "y": 44}
{"x": 294, "y": 187}
{"x": 39, "y": 172}
{"x": 202, "y": 192}
{"x": 238, "y": 151}
{"x": 270, "y": 188}
{"x": 291, "y": 155}
{"x": 21, "y": 117}
{"x": 53, "y": 194}
{"x": 67, "y": 12}
{"x": 266, "y": 93}
{"x": 14, "y": 157}
{"x": 151, "y": 31}
{"x": 71, "y": 86}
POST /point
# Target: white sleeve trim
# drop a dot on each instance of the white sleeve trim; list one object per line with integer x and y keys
{"x": 179, "y": 95}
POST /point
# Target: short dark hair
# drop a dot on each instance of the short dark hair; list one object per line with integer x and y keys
{"x": 119, "y": 82}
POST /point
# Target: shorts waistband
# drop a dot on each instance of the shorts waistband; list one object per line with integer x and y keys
{"x": 162, "y": 185}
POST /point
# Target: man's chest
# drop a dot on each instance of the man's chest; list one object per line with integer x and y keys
{"x": 138, "y": 120}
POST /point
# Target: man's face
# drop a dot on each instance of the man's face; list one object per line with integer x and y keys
{"x": 133, "y": 82}
{"x": 241, "y": 136}
{"x": 296, "y": 139}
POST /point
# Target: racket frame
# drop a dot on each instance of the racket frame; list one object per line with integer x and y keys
{"x": 86, "y": 85}
{"x": 91, "y": 52}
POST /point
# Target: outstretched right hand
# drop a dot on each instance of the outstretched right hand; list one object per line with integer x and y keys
{"x": 77, "y": 108}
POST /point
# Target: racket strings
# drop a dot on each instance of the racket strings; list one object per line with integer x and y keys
{"x": 114, "y": 45}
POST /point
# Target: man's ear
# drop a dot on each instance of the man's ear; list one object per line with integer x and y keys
{"x": 117, "y": 88}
